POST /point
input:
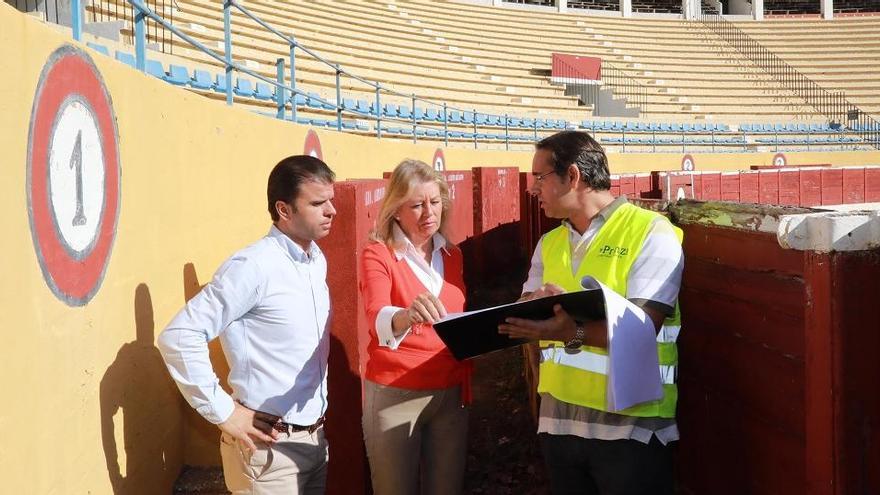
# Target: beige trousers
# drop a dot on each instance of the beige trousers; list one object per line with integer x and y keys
{"x": 416, "y": 440}
{"x": 295, "y": 464}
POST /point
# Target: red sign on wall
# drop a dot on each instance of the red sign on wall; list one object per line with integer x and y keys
{"x": 72, "y": 175}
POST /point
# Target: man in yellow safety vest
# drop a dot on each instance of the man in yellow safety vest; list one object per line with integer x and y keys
{"x": 588, "y": 447}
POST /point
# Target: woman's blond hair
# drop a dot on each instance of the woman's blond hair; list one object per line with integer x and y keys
{"x": 405, "y": 177}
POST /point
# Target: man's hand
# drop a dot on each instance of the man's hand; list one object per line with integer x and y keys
{"x": 246, "y": 425}
{"x": 544, "y": 291}
{"x": 560, "y": 327}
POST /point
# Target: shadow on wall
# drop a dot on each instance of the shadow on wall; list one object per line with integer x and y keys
{"x": 140, "y": 410}
{"x": 496, "y": 263}
{"x": 201, "y": 437}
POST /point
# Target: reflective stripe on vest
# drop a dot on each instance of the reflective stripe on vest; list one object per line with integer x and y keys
{"x": 594, "y": 362}
{"x": 581, "y": 377}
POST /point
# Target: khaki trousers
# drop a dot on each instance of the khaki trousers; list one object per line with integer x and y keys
{"x": 415, "y": 438}
{"x": 295, "y": 464}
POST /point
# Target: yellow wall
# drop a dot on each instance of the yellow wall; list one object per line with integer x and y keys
{"x": 87, "y": 401}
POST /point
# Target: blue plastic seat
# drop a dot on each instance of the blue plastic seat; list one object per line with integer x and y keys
{"x": 389, "y": 110}
{"x": 404, "y": 112}
{"x": 243, "y": 87}
{"x": 467, "y": 118}
{"x": 155, "y": 69}
{"x": 264, "y": 92}
{"x": 348, "y": 104}
{"x": 220, "y": 83}
{"x": 454, "y": 116}
{"x": 313, "y": 100}
{"x": 363, "y": 107}
{"x": 299, "y": 99}
{"x": 201, "y": 80}
{"x": 98, "y": 48}
{"x": 126, "y": 58}
{"x": 432, "y": 115}
{"x": 178, "y": 75}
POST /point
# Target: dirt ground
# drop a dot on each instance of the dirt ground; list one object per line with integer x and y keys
{"x": 503, "y": 455}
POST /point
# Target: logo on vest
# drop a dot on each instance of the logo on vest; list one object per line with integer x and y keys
{"x": 607, "y": 251}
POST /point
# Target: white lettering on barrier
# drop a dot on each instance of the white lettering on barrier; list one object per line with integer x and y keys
{"x": 374, "y": 196}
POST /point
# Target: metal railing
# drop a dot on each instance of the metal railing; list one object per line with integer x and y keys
{"x": 411, "y": 122}
{"x": 119, "y": 10}
{"x": 833, "y": 105}
{"x": 49, "y": 8}
{"x": 613, "y": 79}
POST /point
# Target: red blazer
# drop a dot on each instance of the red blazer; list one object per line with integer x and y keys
{"x": 422, "y": 360}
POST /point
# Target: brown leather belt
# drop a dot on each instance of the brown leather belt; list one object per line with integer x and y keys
{"x": 283, "y": 427}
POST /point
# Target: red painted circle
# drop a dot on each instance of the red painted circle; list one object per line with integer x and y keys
{"x": 70, "y": 72}
{"x": 312, "y": 145}
{"x": 439, "y": 161}
{"x": 688, "y": 163}
{"x": 779, "y": 160}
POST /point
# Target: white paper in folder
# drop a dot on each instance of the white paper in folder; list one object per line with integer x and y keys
{"x": 633, "y": 368}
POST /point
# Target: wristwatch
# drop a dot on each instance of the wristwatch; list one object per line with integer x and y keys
{"x": 578, "y": 339}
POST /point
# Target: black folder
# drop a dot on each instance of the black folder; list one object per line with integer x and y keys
{"x": 475, "y": 333}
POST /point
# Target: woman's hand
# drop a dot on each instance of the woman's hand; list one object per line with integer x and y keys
{"x": 425, "y": 309}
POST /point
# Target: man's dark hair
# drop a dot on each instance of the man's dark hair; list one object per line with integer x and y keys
{"x": 289, "y": 173}
{"x": 579, "y": 148}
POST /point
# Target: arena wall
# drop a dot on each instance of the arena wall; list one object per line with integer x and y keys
{"x": 89, "y": 407}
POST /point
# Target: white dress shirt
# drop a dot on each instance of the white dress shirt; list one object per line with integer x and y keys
{"x": 269, "y": 304}
{"x": 430, "y": 275}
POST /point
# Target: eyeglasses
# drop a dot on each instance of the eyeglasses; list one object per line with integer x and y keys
{"x": 540, "y": 178}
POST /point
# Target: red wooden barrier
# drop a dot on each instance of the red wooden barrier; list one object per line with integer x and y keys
{"x": 627, "y": 185}
{"x": 777, "y": 373}
{"x": 642, "y": 186}
{"x": 675, "y": 185}
{"x": 832, "y": 186}
{"x": 461, "y": 194}
{"x": 853, "y": 185}
{"x": 790, "y": 187}
{"x": 711, "y": 186}
{"x": 872, "y": 184}
{"x": 749, "y": 187}
{"x": 768, "y": 187}
{"x": 357, "y": 205}
{"x": 496, "y": 259}
{"x": 811, "y": 187}
{"x": 730, "y": 186}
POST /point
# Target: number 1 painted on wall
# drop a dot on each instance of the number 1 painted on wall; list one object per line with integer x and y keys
{"x": 76, "y": 164}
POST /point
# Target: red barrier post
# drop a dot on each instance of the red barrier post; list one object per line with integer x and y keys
{"x": 730, "y": 186}
{"x": 461, "y": 195}
{"x": 811, "y": 187}
{"x": 768, "y": 187}
{"x": 790, "y": 187}
{"x": 832, "y": 186}
{"x": 853, "y": 185}
{"x": 749, "y": 188}
{"x": 711, "y": 186}
{"x": 357, "y": 204}
{"x": 872, "y": 184}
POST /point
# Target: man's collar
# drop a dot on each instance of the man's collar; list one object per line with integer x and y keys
{"x": 295, "y": 250}
{"x": 605, "y": 213}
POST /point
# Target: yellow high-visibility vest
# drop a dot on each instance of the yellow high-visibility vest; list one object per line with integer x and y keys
{"x": 580, "y": 377}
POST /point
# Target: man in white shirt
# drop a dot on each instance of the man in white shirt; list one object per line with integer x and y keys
{"x": 269, "y": 305}
{"x": 588, "y": 447}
